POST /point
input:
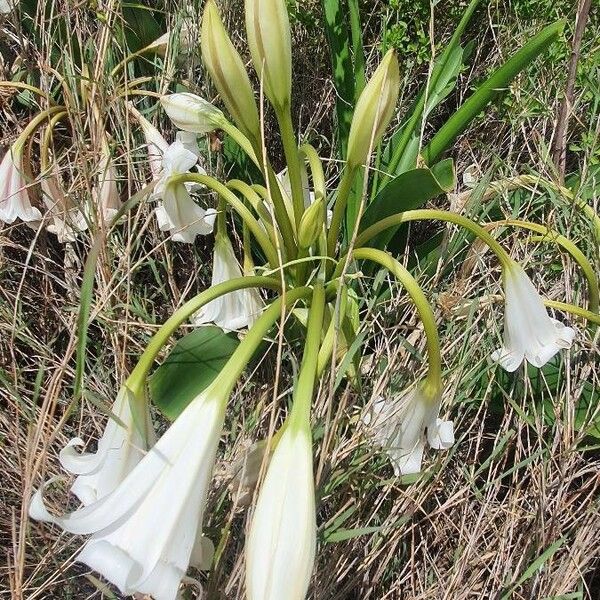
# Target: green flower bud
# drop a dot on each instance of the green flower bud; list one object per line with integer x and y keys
{"x": 270, "y": 42}
{"x": 374, "y": 109}
{"x": 311, "y": 224}
{"x": 228, "y": 72}
{"x": 192, "y": 113}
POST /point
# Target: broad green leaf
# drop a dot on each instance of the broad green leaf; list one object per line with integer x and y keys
{"x": 192, "y": 365}
{"x": 407, "y": 191}
{"x": 495, "y": 85}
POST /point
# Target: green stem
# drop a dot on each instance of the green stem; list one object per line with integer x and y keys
{"x": 316, "y": 169}
{"x": 35, "y": 123}
{"x": 241, "y": 140}
{"x": 553, "y": 236}
{"x": 243, "y": 211}
{"x": 303, "y": 392}
{"x": 161, "y": 337}
{"x": 290, "y": 148}
{"x": 575, "y": 310}
{"x": 339, "y": 208}
{"x": 440, "y": 215}
{"x": 244, "y": 352}
{"x": 434, "y": 356}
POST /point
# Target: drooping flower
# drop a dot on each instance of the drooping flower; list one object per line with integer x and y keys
{"x": 14, "y": 199}
{"x": 192, "y": 113}
{"x": 178, "y": 213}
{"x": 121, "y": 447}
{"x": 281, "y": 544}
{"x": 147, "y": 530}
{"x": 108, "y": 201}
{"x": 66, "y": 220}
{"x": 237, "y": 309}
{"x": 156, "y": 144}
{"x": 529, "y": 332}
{"x": 401, "y": 425}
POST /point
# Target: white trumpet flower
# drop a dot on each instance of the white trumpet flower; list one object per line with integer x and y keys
{"x": 108, "y": 201}
{"x": 238, "y": 309}
{"x": 146, "y": 531}
{"x": 178, "y": 213}
{"x": 66, "y": 220}
{"x": 121, "y": 447}
{"x": 529, "y": 332}
{"x": 281, "y": 545}
{"x": 14, "y": 199}
{"x": 192, "y": 113}
{"x": 155, "y": 143}
{"x": 399, "y": 426}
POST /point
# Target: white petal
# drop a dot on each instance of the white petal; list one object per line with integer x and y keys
{"x": 441, "y": 435}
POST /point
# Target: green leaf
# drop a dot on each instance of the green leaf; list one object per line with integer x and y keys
{"x": 192, "y": 365}
{"x": 495, "y": 85}
{"x": 337, "y": 30}
{"x": 342, "y": 535}
{"x": 407, "y": 191}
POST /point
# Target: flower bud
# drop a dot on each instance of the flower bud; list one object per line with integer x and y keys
{"x": 374, "y": 109}
{"x": 311, "y": 224}
{"x": 192, "y": 113}
{"x": 228, "y": 73}
{"x": 270, "y": 42}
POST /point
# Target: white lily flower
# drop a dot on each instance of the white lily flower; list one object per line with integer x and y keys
{"x": 106, "y": 191}
{"x": 529, "y": 332}
{"x": 281, "y": 545}
{"x": 156, "y": 143}
{"x": 145, "y": 532}
{"x": 7, "y": 6}
{"x": 192, "y": 113}
{"x": 67, "y": 220}
{"x": 121, "y": 447}
{"x": 178, "y": 213}
{"x": 399, "y": 426}
{"x": 14, "y": 199}
{"x": 238, "y": 309}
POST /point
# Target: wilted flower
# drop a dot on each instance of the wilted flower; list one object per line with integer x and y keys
{"x": 121, "y": 447}
{"x": 245, "y": 472}
{"x": 192, "y": 113}
{"x": 66, "y": 220}
{"x": 234, "y": 310}
{"x": 156, "y": 143}
{"x": 270, "y": 43}
{"x": 106, "y": 190}
{"x": 14, "y": 199}
{"x": 178, "y": 213}
{"x": 374, "y": 109}
{"x": 529, "y": 333}
{"x": 146, "y": 531}
{"x": 399, "y": 426}
{"x": 281, "y": 545}
{"x": 228, "y": 73}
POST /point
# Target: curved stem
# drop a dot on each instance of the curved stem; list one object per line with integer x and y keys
{"x": 553, "y": 236}
{"x": 253, "y": 225}
{"x": 575, "y": 310}
{"x": 26, "y": 86}
{"x": 244, "y": 352}
{"x": 160, "y": 338}
{"x": 316, "y": 170}
{"x": 36, "y": 122}
{"x": 424, "y": 309}
{"x": 439, "y": 215}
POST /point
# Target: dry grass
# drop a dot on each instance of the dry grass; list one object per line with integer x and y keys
{"x": 511, "y": 511}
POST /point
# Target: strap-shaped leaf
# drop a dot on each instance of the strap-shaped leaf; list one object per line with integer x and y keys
{"x": 496, "y": 84}
{"x": 407, "y": 191}
{"x": 191, "y": 366}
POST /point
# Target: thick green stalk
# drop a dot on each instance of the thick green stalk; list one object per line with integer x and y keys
{"x": 575, "y": 310}
{"x": 416, "y": 294}
{"x": 303, "y": 392}
{"x": 439, "y": 215}
{"x": 339, "y": 208}
{"x": 161, "y": 337}
{"x": 292, "y": 158}
{"x": 243, "y": 211}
